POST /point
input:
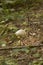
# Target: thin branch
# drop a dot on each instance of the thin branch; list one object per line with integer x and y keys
{"x": 20, "y": 47}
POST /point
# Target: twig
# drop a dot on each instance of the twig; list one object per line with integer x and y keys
{"x": 20, "y": 47}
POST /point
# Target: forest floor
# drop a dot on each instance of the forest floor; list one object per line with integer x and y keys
{"x": 24, "y": 51}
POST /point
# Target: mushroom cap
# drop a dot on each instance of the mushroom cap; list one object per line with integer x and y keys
{"x": 20, "y": 32}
